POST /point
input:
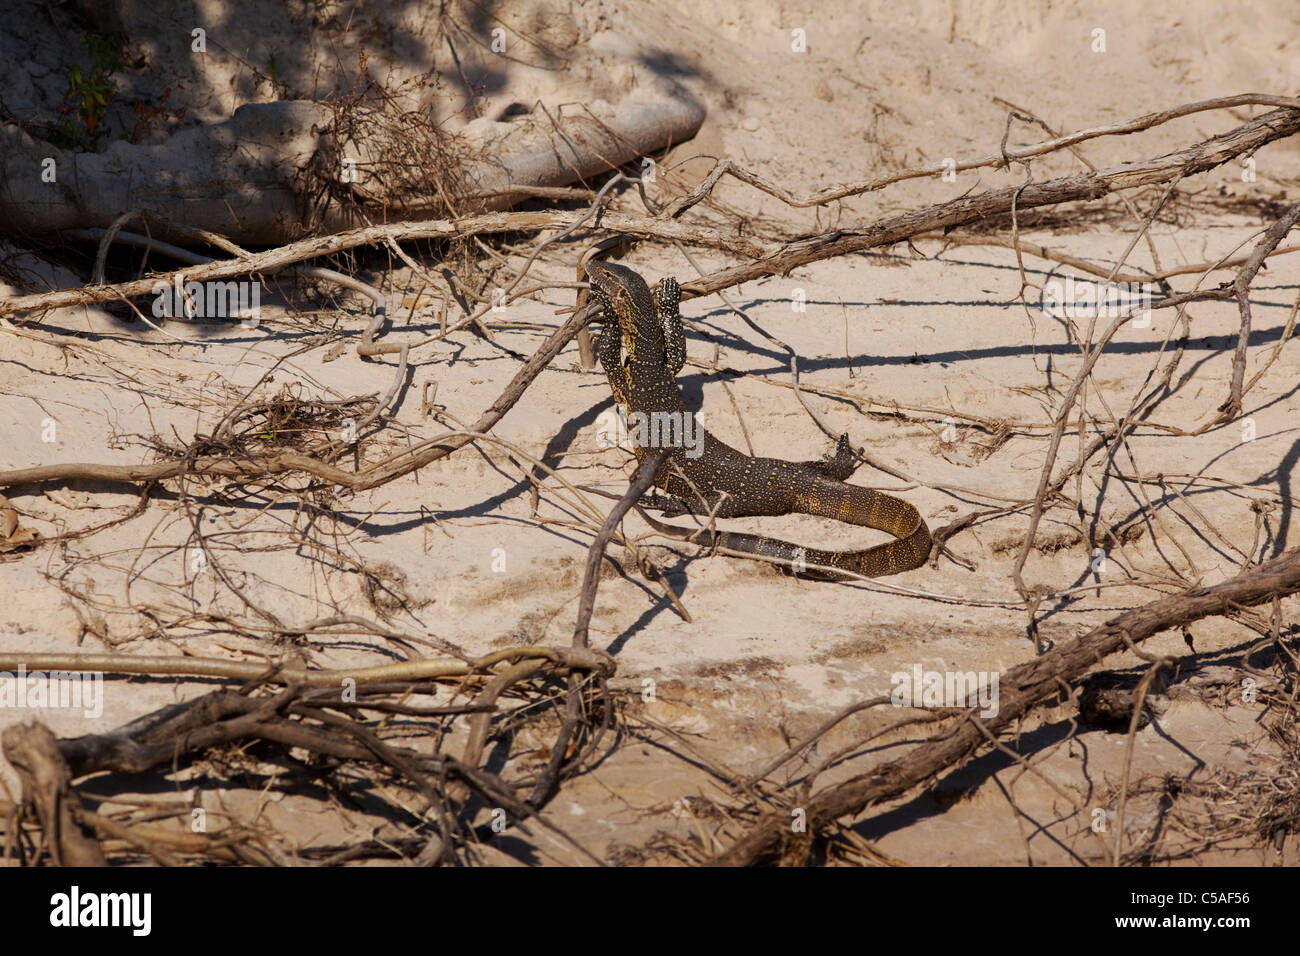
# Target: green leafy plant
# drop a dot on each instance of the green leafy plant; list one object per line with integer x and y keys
{"x": 90, "y": 89}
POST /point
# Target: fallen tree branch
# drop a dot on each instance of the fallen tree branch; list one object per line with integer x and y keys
{"x": 1275, "y": 233}
{"x": 1199, "y": 158}
{"x": 641, "y": 481}
{"x": 275, "y": 259}
{"x": 33, "y": 751}
{"x": 177, "y": 730}
{"x": 1021, "y": 688}
{"x": 581, "y": 658}
{"x": 997, "y": 160}
{"x": 1083, "y": 265}
{"x": 550, "y": 777}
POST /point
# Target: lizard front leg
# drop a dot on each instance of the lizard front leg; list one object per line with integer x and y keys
{"x": 609, "y": 346}
{"x": 668, "y": 296}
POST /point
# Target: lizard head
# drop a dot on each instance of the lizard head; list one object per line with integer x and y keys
{"x": 626, "y": 298}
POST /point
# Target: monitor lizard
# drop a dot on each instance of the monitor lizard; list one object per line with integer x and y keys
{"x": 642, "y": 348}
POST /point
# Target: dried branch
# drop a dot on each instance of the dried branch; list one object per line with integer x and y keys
{"x": 1021, "y": 688}
{"x": 996, "y": 160}
{"x": 32, "y": 750}
{"x": 1231, "y": 407}
{"x": 581, "y": 658}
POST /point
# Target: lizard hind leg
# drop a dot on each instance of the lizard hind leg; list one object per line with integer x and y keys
{"x": 668, "y": 506}
{"x": 839, "y": 464}
{"x": 674, "y": 506}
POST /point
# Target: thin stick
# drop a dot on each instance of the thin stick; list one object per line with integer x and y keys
{"x": 584, "y": 658}
{"x": 1231, "y": 407}
{"x": 641, "y": 481}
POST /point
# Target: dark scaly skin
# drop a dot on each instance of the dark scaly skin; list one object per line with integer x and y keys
{"x": 641, "y": 364}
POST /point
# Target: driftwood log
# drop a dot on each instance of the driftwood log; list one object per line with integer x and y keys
{"x": 260, "y": 177}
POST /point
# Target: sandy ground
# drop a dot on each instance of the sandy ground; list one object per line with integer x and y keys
{"x": 764, "y": 658}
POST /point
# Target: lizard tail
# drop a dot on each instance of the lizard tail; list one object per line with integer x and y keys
{"x": 868, "y": 508}
{"x": 851, "y": 504}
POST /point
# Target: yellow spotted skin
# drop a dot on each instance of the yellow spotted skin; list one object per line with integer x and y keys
{"x": 642, "y": 348}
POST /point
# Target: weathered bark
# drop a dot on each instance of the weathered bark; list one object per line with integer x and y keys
{"x": 33, "y": 751}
